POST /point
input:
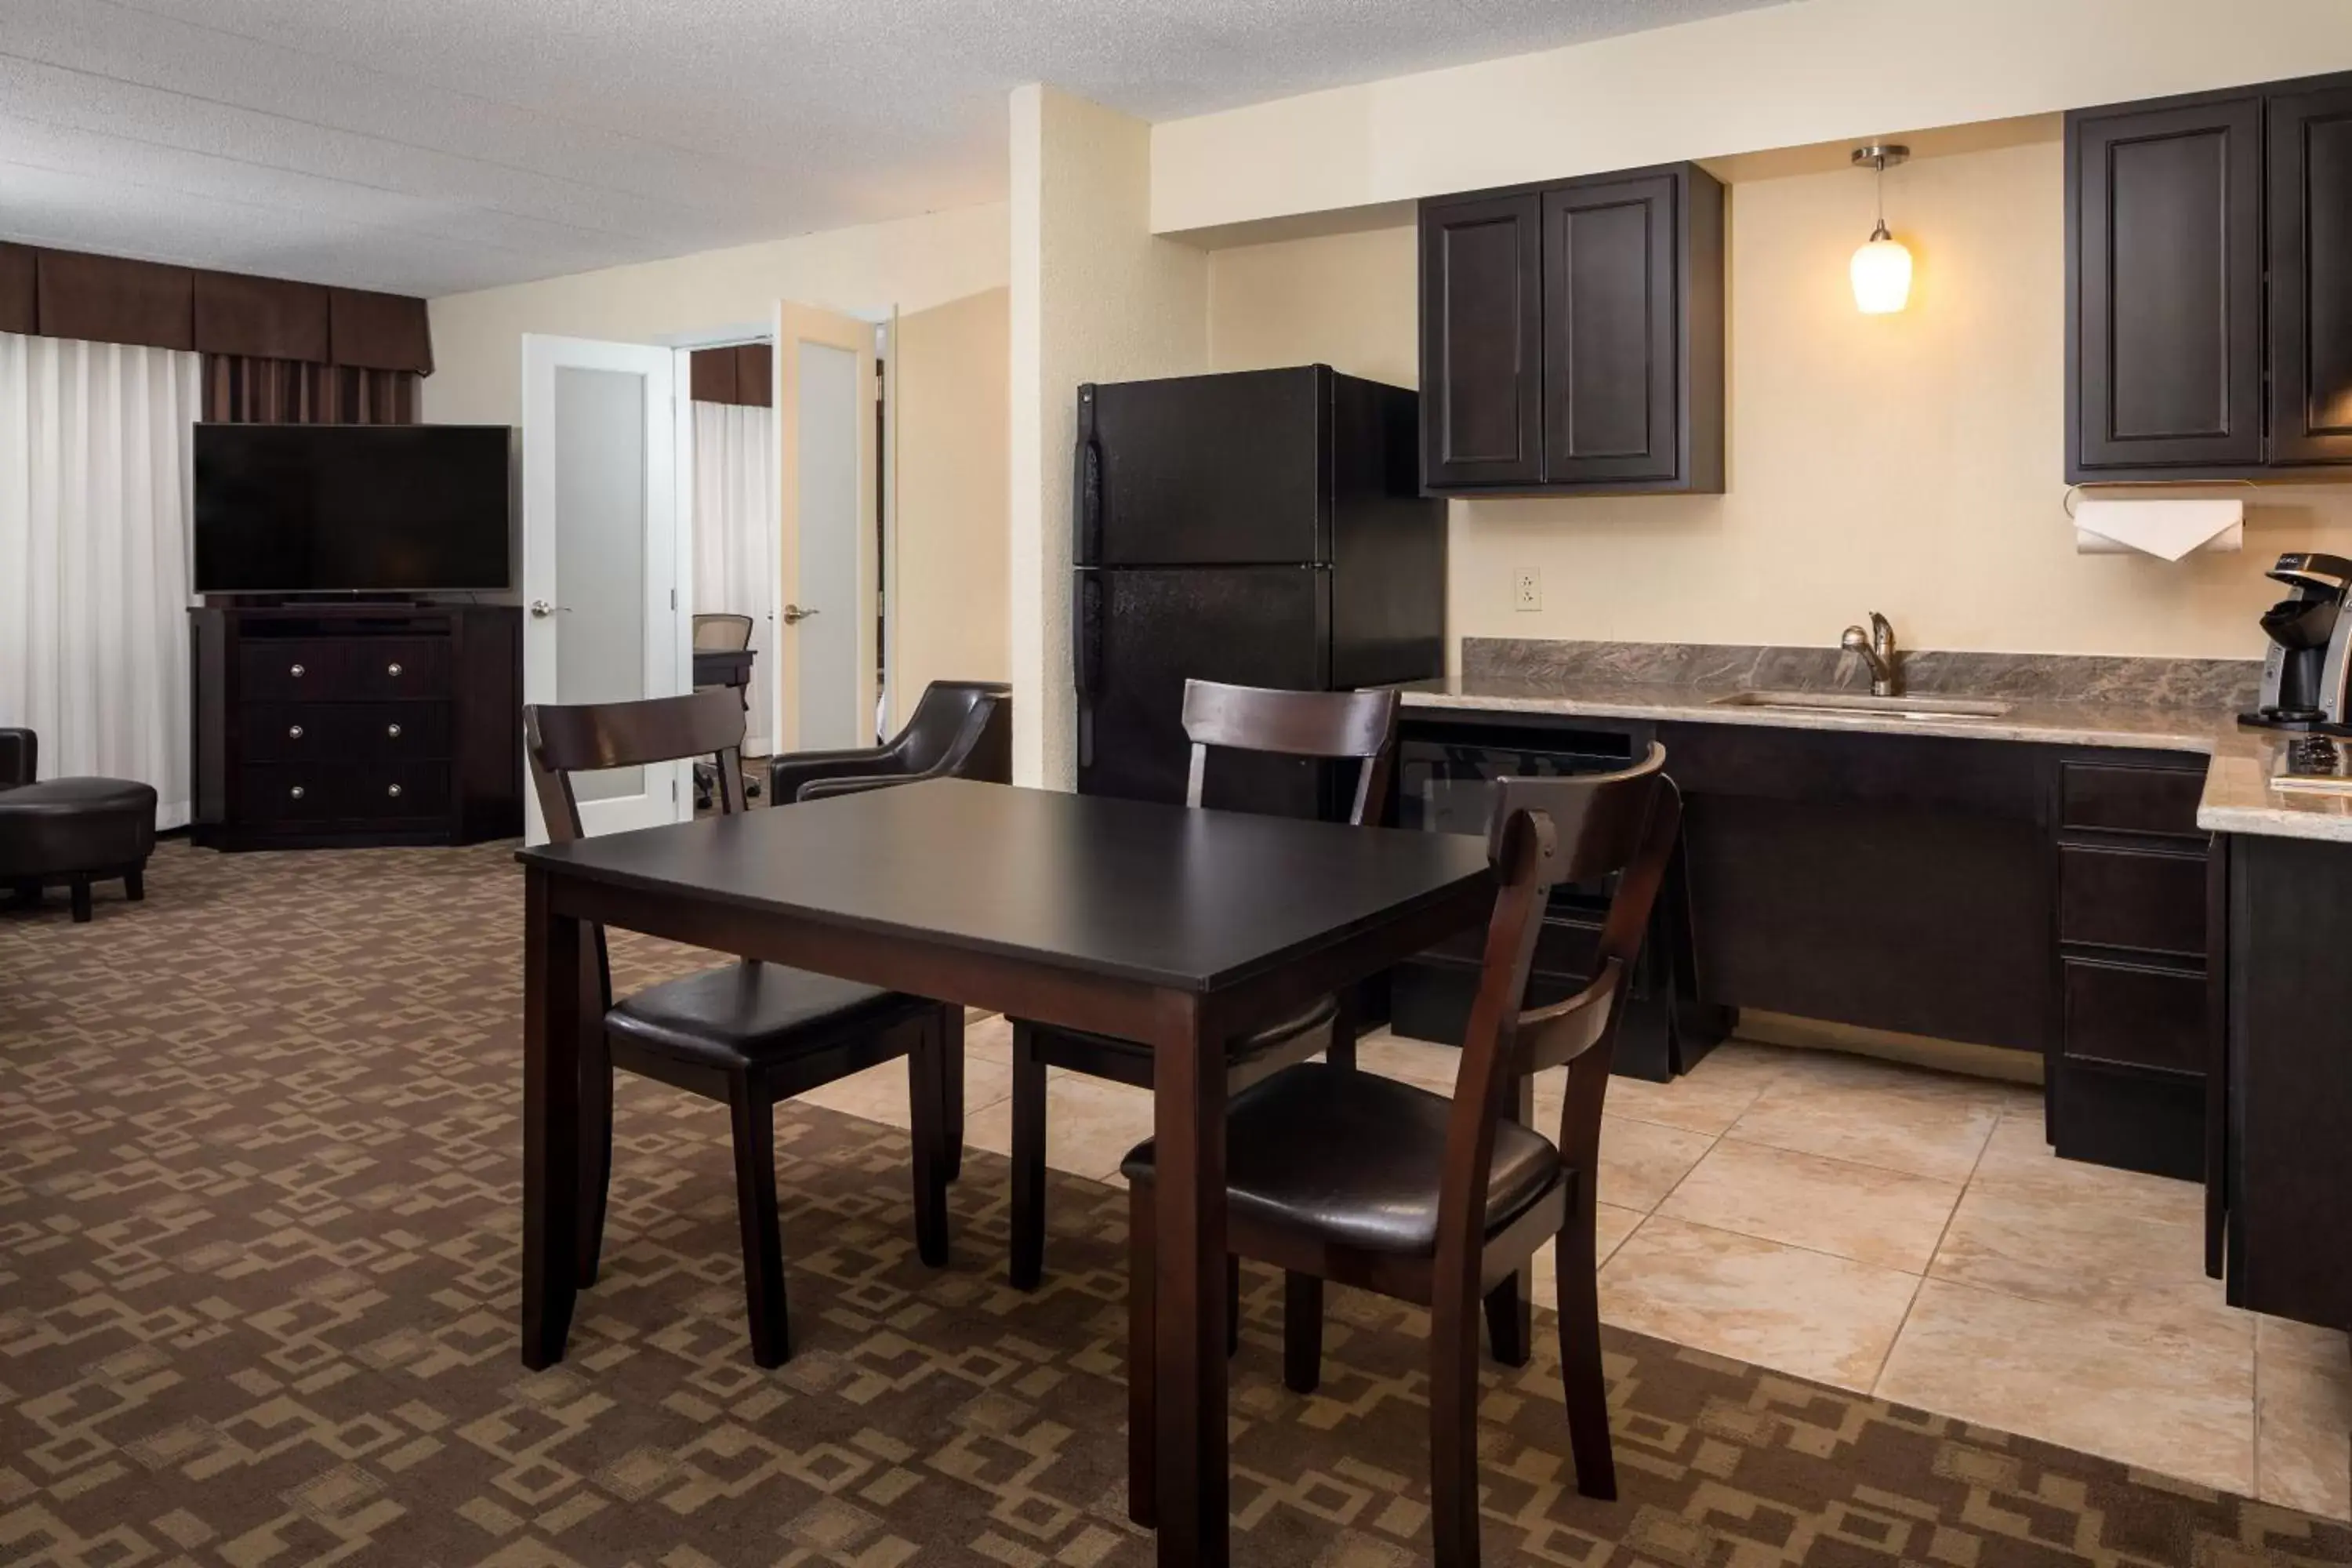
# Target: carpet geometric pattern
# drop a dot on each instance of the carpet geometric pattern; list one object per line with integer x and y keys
{"x": 258, "y": 1200}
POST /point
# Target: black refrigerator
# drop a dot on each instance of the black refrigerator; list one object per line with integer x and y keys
{"x": 1262, "y": 528}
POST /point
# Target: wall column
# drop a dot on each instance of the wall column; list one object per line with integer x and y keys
{"x": 1096, "y": 297}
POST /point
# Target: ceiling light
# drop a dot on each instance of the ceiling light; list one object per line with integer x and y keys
{"x": 1882, "y": 268}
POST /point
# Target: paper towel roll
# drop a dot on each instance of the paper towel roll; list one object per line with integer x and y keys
{"x": 2166, "y": 529}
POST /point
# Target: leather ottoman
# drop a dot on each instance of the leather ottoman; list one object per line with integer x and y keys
{"x": 74, "y": 831}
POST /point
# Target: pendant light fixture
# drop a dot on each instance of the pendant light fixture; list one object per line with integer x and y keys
{"x": 1882, "y": 268}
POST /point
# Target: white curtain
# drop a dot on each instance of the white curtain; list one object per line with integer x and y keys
{"x": 94, "y": 524}
{"x": 734, "y": 539}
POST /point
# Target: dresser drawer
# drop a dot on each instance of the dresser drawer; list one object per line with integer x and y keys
{"x": 397, "y": 670}
{"x": 293, "y": 671}
{"x": 2124, "y": 799}
{"x": 340, "y": 733}
{"x": 2137, "y": 1015}
{"x": 2143, "y": 899}
{"x": 294, "y": 793}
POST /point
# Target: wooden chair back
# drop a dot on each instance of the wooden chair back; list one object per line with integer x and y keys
{"x": 1544, "y": 832}
{"x": 1359, "y": 726}
{"x": 560, "y": 740}
{"x": 718, "y": 631}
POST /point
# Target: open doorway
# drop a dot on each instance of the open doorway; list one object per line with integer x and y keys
{"x": 726, "y": 438}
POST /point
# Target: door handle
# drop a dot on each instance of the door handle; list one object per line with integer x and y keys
{"x": 541, "y": 609}
{"x": 795, "y": 615}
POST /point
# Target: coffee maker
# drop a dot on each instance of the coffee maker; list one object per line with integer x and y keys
{"x": 2311, "y": 644}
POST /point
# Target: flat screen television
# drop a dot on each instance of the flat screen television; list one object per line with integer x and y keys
{"x": 350, "y": 509}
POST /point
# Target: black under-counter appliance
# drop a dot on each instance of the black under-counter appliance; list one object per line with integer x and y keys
{"x": 1264, "y": 527}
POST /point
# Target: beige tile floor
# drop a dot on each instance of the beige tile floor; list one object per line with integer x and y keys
{"x": 1884, "y": 1228}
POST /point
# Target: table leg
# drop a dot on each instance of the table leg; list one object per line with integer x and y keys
{"x": 1510, "y": 1308}
{"x": 553, "y": 974}
{"x": 1189, "y": 1124}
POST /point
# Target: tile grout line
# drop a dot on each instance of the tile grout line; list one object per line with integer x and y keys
{"x": 1896, "y": 1338}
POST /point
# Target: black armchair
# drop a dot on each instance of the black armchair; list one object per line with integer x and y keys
{"x": 19, "y": 751}
{"x": 961, "y": 728}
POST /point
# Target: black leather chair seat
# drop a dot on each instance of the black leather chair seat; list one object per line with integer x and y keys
{"x": 1316, "y": 1015}
{"x": 1357, "y": 1158}
{"x": 59, "y": 826}
{"x": 748, "y": 1014}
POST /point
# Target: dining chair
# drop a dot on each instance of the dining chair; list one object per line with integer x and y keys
{"x": 1355, "y": 1178}
{"x": 746, "y": 1033}
{"x": 1339, "y": 726}
{"x": 960, "y": 728}
{"x": 717, "y": 631}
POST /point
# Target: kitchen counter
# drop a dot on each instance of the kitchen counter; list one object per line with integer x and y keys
{"x": 2238, "y": 797}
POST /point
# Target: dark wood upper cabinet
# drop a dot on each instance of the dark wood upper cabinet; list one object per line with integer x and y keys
{"x": 2309, "y": 146}
{"x": 2210, "y": 284}
{"x": 1481, "y": 317}
{"x": 1597, "y": 365}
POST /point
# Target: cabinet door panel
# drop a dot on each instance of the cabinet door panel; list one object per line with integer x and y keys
{"x": 2167, "y": 289}
{"x": 1480, "y": 319}
{"x": 2309, "y": 145}
{"x": 1611, "y": 386}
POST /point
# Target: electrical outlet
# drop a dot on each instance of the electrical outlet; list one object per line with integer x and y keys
{"x": 1526, "y": 589}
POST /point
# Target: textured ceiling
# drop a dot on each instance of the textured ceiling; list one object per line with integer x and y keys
{"x": 430, "y": 146}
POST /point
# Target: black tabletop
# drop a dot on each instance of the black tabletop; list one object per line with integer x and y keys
{"x": 1190, "y": 900}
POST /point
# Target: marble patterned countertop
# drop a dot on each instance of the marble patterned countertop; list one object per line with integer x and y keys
{"x": 2238, "y": 798}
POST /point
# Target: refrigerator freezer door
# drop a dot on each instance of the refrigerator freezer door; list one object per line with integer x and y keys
{"x": 1209, "y": 470}
{"x": 1142, "y": 634}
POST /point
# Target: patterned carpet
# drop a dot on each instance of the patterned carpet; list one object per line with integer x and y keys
{"x": 257, "y": 1199}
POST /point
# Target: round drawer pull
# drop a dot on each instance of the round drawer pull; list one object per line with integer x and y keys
{"x": 295, "y": 793}
{"x": 293, "y": 732}
{"x": 296, "y": 672}
{"x": 394, "y": 790}
{"x": 392, "y": 668}
{"x": 392, "y": 731}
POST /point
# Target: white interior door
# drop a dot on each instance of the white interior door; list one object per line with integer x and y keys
{"x": 828, "y": 556}
{"x": 601, "y": 551}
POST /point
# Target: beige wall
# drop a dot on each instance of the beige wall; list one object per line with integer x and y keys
{"x": 1095, "y": 298}
{"x": 915, "y": 264}
{"x": 1911, "y": 464}
{"x": 1782, "y": 76}
{"x": 952, "y": 380}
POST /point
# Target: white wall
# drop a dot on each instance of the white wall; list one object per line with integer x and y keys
{"x": 952, "y": 378}
{"x": 1782, "y": 76}
{"x": 1910, "y": 463}
{"x": 915, "y": 263}
{"x": 1095, "y": 298}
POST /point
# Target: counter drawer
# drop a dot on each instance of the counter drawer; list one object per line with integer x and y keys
{"x": 2126, "y": 799}
{"x": 2121, "y": 898}
{"x": 298, "y": 793}
{"x": 2136, "y": 1015}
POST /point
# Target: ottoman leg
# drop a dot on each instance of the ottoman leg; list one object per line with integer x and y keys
{"x": 80, "y": 900}
{"x": 134, "y": 884}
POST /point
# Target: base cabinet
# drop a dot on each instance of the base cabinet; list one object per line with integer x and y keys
{"x": 348, "y": 726}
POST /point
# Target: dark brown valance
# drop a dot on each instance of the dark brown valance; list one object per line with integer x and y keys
{"x": 261, "y": 318}
{"x": 106, "y": 300}
{"x": 18, "y": 294}
{"x": 741, "y": 373}
{"x": 112, "y": 299}
{"x": 379, "y": 331}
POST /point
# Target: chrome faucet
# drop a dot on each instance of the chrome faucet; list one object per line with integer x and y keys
{"x": 1877, "y": 647}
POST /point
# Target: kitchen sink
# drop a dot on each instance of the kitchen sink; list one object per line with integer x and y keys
{"x": 1924, "y": 708}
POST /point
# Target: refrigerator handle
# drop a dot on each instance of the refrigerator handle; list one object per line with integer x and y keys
{"x": 1086, "y": 649}
{"x": 1085, "y": 484}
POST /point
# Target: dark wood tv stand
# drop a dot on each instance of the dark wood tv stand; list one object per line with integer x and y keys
{"x": 344, "y": 724}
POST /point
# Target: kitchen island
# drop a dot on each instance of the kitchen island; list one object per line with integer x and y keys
{"x": 2089, "y": 869}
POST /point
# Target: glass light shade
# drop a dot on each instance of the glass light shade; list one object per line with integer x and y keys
{"x": 1882, "y": 275}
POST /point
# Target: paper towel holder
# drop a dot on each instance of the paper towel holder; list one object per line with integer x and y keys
{"x": 2067, "y": 502}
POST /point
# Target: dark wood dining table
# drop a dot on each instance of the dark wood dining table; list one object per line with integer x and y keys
{"x": 1180, "y": 929}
